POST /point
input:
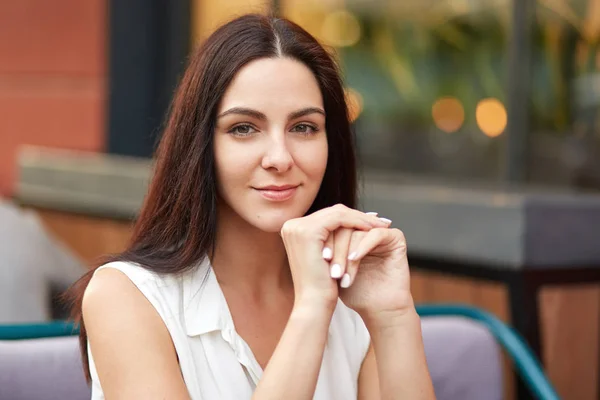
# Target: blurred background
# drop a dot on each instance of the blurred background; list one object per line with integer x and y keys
{"x": 477, "y": 120}
{"x": 447, "y": 89}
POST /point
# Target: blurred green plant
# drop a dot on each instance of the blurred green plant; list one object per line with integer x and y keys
{"x": 412, "y": 54}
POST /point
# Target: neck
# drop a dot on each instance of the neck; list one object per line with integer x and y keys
{"x": 247, "y": 259}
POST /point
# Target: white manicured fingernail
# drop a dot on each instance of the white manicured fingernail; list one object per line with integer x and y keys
{"x": 345, "y": 283}
{"x": 352, "y": 256}
{"x": 387, "y": 221}
{"x": 372, "y": 213}
{"x": 335, "y": 271}
{"x": 327, "y": 253}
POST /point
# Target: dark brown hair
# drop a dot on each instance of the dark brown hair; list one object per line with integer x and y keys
{"x": 177, "y": 222}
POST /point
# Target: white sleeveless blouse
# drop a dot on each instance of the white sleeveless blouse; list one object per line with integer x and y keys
{"x": 216, "y": 363}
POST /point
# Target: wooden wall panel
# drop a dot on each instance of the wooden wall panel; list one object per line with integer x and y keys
{"x": 443, "y": 288}
{"x": 570, "y": 319}
{"x": 89, "y": 238}
{"x": 418, "y": 286}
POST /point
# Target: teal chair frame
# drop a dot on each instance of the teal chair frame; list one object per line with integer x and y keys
{"x": 526, "y": 363}
{"x": 38, "y": 330}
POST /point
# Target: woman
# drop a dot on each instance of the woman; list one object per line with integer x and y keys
{"x": 248, "y": 240}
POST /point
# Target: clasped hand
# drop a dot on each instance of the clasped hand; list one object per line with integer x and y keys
{"x": 341, "y": 252}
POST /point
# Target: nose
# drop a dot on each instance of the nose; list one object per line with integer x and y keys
{"x": 277, "y": 155}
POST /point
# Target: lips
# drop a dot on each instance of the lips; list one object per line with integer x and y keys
{"x": 277, "y": 193}
{"x": 275, "y": 187}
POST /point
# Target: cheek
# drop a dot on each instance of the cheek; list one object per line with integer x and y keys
{"x": 314, "y": 159}
{"x": 232, "y": 163}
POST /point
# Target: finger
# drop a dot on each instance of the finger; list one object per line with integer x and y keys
{"x": 341, "y": 241}
{"x": 352, "y": 264}
{"x": 370, "y": 242}
{"x": 340, "y": 216}
{"x": 373, "y": 239}
{"x": 328, "y": 248}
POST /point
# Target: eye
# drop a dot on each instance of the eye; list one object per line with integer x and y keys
{"x": 242, "y": 130}
{"x": 305, "y": 129}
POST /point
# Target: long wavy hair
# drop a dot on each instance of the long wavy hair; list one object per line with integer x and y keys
{"x": 177, "y": 222}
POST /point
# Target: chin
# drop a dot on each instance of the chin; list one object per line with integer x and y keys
{"x": 271, "y": 224}
{"x": 272, "y": 220}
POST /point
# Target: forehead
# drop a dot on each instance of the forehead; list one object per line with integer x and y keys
{"x": 273, "y": 84}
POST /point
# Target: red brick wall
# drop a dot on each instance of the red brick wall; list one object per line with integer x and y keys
{"x": 53, "y": 77}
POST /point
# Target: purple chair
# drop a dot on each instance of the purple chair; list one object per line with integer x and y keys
{"x": 46, "y": 368}
{"x": 464, "y": 360}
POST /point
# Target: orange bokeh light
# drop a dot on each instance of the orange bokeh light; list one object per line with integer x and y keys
{"x": 448, "y": 114}
{"x": 491, "y": 117}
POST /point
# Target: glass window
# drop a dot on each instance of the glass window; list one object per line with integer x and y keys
{"x": 564, "y": 106}
{"x": 427, "y": 78}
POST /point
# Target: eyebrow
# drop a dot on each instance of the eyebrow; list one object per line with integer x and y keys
{"x": 260, "y": 116}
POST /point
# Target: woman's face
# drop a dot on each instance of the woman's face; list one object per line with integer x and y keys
{"x": 270, "y": 142}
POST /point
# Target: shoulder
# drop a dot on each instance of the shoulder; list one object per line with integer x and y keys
{"x": 119, "y": 281}
{"x": 113, "y": 281}
{"x": 124, "y": 287}
{"x": 115, "y": 310}
{"x": 113, "y": 288}
{"x": 130, "y": 342}
{"x": 129, "y": 283}
{"x": 134, "y": 272}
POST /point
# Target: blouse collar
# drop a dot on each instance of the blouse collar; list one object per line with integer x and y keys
{"x": 205, "y": 307}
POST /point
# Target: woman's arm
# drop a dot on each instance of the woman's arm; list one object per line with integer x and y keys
{"x": 293, "y": 369}
{"x": 132, "y": 349}
{"x": 395, "y": 367}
